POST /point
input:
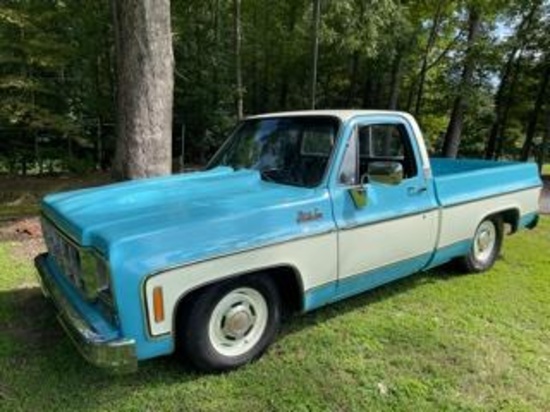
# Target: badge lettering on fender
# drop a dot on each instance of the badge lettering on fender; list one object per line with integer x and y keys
{"x": 304, "y": 217}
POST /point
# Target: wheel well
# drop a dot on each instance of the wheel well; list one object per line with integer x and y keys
{"x": 289, "y": 285}
{"x": 510, "y": 217}
{"x": 286, "y": 278}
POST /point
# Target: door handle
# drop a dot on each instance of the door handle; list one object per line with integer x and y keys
{"x": 416, "y": 190}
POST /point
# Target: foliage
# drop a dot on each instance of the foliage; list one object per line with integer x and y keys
{"x": 57, "y": 71}
{"x": 435, "y": 341}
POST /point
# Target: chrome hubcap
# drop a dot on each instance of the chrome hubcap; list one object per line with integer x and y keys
{"x": 238, "y": 322}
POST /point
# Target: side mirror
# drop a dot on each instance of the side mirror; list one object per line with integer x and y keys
{"x": 359, "y": 193}
{"x": 386, "y": 172}
{"x": 359, "y": 196}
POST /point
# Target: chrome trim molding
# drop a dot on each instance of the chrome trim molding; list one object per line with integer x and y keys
{"x": 389, "y": 219}
{"x": 118, "y": 355}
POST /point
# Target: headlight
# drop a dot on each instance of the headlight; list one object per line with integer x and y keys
{"x": 94, "y": 275}
{"x": 96, "y": 281}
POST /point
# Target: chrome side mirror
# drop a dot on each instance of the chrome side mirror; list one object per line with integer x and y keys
{"x": 359, "y": 193}
{"x": 359, "y": 196}
{"x": 385, "y": 172}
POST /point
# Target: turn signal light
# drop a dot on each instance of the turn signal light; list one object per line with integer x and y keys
{"x": 158, "y": 304}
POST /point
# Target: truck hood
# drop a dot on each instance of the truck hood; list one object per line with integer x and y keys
{"x": 174, "y": 219}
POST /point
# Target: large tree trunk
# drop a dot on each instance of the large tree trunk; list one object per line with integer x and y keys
{"x": 145, "y": 83}
{"x": 454, "y": 129}
{"x": 533, "y": 121}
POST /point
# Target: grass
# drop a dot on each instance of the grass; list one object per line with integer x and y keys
{"x": 546, "y": 169}
{"x": 434, "y": 341}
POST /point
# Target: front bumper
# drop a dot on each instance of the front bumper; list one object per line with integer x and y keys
{"x": 118, "y": 355}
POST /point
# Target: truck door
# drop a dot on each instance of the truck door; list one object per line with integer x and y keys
{"x": 393, "y": 234}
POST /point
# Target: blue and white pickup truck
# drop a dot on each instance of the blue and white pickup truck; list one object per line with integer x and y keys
{"x": 295, "y": 211}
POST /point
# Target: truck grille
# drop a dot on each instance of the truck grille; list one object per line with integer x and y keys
{"x": 65, "y": 254}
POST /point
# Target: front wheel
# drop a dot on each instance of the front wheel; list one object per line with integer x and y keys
{"x": 485, "y": 247}
{"x": 229, "y": 324}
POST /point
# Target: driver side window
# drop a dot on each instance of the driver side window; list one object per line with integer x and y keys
{"x": 376, "y": 143}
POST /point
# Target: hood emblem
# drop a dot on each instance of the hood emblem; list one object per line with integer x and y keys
{"x": 309, "y": 216}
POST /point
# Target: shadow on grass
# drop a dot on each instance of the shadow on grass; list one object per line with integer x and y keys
{"x": 40, "y": 356}
{"x": 33, "y": 344}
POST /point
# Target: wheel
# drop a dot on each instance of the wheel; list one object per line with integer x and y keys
{"x": 229, "y": 324}
{"x": 485, "y": 247}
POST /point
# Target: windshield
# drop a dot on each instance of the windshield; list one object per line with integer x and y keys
{"x": 287, "y": 150}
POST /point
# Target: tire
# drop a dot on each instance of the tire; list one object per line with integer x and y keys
{"x": 486, "y": 245}
{"x": 229, "y": 324}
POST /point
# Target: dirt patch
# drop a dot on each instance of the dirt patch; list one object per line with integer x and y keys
{"x": 26, "y": 234}
{"x": 20, "y": 196}
{"x": 46, "y": 184}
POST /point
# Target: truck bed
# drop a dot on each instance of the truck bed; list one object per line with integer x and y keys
{"x": 461, "y": 181}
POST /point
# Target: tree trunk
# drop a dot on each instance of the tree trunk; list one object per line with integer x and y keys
{"x": 503, "y": 123}
{"x": 545, "y": 141}
{"x": 395, "y": 81}
{"x": 496, "y": 129}
{"x": 533, "y": 121}
{"x": 504, "y": 95}
{"x": 145, "y": 84}
{"x": 238, "y": 72}
{"x": 353, "y": 79}
{"x": 424, "y": 69}
{"x": 410, "y": 95}
{"x": 315, "y": 51}
{"x": 454, "y": 129}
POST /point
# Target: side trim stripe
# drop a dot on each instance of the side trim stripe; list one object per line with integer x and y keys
{"x": 477, "y": 199}
{"x": 352, "y": 285}
{"x": 334, "y": 291}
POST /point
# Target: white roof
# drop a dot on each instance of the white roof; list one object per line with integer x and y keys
{"x": 343, "y": 115}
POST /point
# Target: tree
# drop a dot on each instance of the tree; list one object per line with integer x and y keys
{"x": 436, "y": 22}
{"x": 508, "y": 80}
{"x": 537, "y": 109}
{"x": 238, "y": 65}
{"x": 58, "y": 90}
{"x": 315, "y": 50}
{"x": 145, "y": 83}
{"x": 454, "y": 129}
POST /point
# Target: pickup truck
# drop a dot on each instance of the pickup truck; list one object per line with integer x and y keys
{"x": 295, "y": 211}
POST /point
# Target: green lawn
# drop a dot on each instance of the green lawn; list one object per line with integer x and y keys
{"x": 546, "y": 169}
{"x": 435, "y": 341}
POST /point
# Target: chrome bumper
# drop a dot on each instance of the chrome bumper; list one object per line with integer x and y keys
{"x": 118, "y": 355}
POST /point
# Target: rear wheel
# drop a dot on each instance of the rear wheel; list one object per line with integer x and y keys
{"x": 485, "y": 247}
{"x": 230, "y": 324}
